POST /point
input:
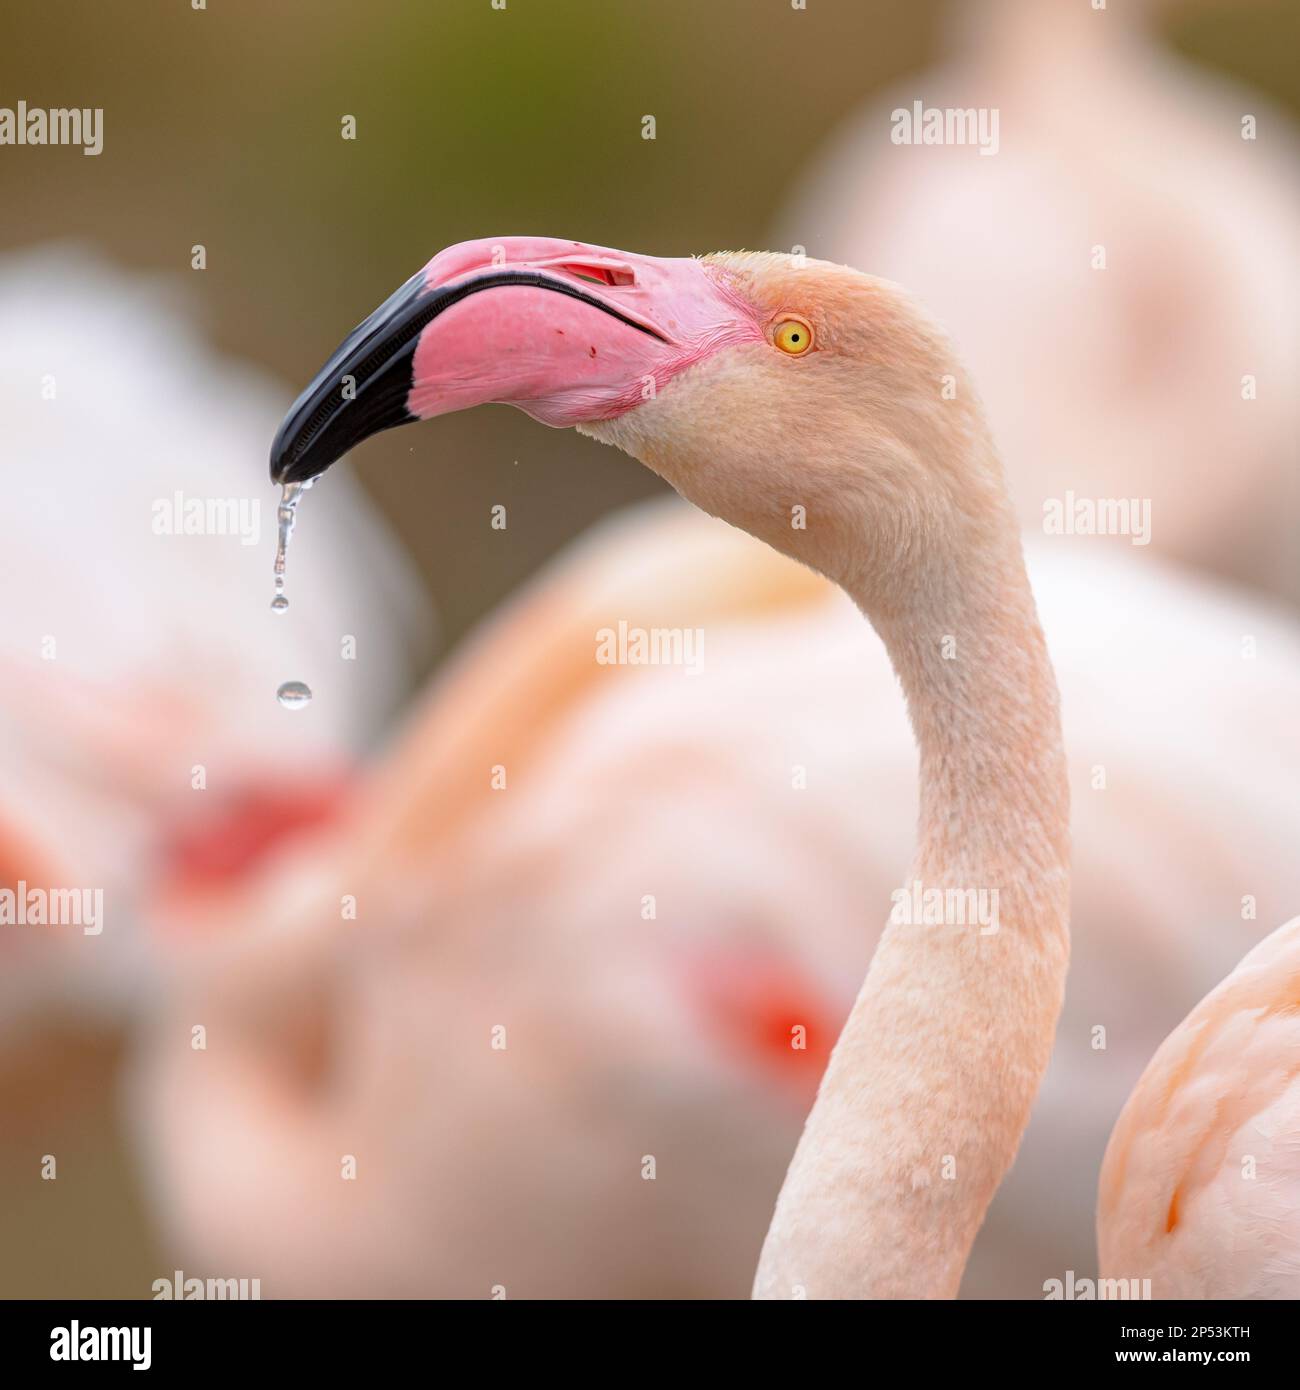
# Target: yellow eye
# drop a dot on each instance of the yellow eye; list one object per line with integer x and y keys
{"x": 793, "y": 336}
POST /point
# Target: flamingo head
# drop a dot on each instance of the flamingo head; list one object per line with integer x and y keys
{"x": 786, "y": 395}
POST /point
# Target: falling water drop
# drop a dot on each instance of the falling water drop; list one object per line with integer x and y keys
{"x": 294, "y": 695}
{"x": 286, "y": 515}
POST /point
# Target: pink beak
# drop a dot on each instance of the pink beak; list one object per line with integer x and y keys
{"x": 565, "y": 331}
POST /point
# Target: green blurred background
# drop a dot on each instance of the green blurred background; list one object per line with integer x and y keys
{"x": 222, "y": 127}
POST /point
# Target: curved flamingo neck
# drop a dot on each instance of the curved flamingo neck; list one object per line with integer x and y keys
{"x": 930, "y": 1086}
{"x": 983, "y": 704}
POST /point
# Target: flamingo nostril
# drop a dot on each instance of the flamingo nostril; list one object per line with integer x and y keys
{"x": 597, "y": 273}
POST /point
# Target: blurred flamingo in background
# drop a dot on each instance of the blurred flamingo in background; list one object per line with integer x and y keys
{"x": 523, "y": 907}
{"x": 130, "y": 655}
{"x": 1122, "y": 382}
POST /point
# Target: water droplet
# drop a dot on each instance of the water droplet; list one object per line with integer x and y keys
{"x": 294, "y": 695}
{"x": 286, "y": 514}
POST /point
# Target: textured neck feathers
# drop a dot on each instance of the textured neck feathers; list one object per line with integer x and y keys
{"x": 931, "y": 1083}
{"x": 983, "y": 703}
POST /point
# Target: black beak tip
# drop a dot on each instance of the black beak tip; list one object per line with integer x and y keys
{"x": 285, "y": 468}
{"x": 319, "y": 430}
{"x": 280, "y": 464}
{"x": 374, "y": 363}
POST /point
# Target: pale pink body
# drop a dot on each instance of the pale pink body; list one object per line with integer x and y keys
{"x": 1201, "y": 1185}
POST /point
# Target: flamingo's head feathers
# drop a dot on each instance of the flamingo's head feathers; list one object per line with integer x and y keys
{"x": 807, "y": 403}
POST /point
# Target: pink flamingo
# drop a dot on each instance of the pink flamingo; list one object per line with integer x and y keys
{"x": 898, "y": 1161}
{"x": 896, "y": 496}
